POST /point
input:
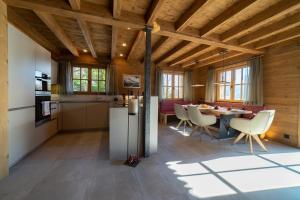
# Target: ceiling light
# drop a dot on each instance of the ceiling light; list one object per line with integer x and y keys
{"x": 124, "y": 44}
{"x": 197, "y": 85}
{"x": 128, "y": 28}
{"x": 121, "y": 55}
{"x": 85, "y": 50}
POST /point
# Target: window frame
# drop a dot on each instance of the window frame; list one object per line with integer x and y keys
{"x": 173, "y": 74}
{"x": 232, "y": 84}
{"x": 89, "y": 67}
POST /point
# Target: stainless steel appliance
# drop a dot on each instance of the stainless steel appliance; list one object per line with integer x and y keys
{"x": 42, "y": 82}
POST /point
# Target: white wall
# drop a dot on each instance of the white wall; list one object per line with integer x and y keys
{"x": 24, "y": 57}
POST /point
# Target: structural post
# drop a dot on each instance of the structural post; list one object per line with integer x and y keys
{"x": 4, "y": 91}
{"x": 147, "y": 91}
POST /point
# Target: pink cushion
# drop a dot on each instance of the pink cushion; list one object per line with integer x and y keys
{"x": 168, "y": 105}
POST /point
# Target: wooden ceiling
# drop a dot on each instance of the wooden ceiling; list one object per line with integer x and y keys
{"x": 192, "y": 32}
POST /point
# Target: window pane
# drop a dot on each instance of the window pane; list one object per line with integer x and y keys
{"x": 222, "y": 76}
{"x": 76, "y": 73}
{"x": 102, "y": 74}
{"x": 170, "y": 81}
{"x": 246, "y": 74}
{"x": 227, "y": 92}
{"x": 164, "y": 92}
{"x": 101, "y": 86}
{"x": 222, "y": 96}
{"x": 180, "y": 92}
{"x": 84, "y": 73}
{"x": 237, "y": 92}
{"x": 169, "y": 92}
{"x": 165, "y": 79}
{"x": 94, "y": 86}
{"x": 244, "y": 91}
{"x": 76, "y": 85}
{"x": 84, "y": 85}
{"x": 176, "y": 80}
{"x": 176, "y": 92}
{"x": 238, "y": 76}
{"x": 94, "y": 74}
{"x": 228, "y": 76}
{"x": 180, "y": 80}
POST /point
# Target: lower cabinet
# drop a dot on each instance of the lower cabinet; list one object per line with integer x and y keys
{"x": 78, "y": 116}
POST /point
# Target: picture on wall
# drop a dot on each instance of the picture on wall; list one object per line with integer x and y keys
{"x": 131, "y": 81}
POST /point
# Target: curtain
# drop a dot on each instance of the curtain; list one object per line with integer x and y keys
{"x": 187, "y": 85}
{"x": 65, "y": 78}
{"x": 210, "y": 87}
{"x": 159, "y": 78}
{"x": 255, "y": 88}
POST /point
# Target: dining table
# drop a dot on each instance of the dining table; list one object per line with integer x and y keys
{"x": 222, "y": 127}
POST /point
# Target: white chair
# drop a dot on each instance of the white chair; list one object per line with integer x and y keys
{"x": 252, "y": 128}
{"x": 182, "y": 115}
{"x": 200, "y": 120}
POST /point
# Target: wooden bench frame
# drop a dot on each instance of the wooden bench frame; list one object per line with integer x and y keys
{"x": 164, "y": 117}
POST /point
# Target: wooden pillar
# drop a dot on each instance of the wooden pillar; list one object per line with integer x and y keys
{"x": 4, "y": 91}
{"x": 147, "y": 90}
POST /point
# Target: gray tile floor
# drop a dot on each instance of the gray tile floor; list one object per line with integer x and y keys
{"x": 76, "y": 166}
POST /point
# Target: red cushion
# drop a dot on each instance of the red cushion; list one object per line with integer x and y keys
{"x": 168, "y": 105}
{"x": 168, "y": 112}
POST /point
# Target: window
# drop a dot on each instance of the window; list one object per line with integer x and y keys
{"x": 172, "y": 85}
{"x": 88, "y": 80}
{"x": 235, "y": 88}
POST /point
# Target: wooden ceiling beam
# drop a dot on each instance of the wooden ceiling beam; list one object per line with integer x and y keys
{"x": 229, "y": 55}
{"x": 186, "y": 17}
{"x": 90, "y": 16}
{"x": 117, "y": 8}
{"x": 151, "y": 16}
{"x": 279, "y": 38}
{"x": 225, "y": 16}
{"x": 172, "y": 51}
{"x": 213, "y": 25}
{"x": 58, "y": 31}
{"x": 75, "y": 4}
{"x": 21, "y": 24}
{"x": 206, "y": 41}
{"x": 274, "y": 12}
{"x": 273, "y": 29}
{"x": 206, "y": 56}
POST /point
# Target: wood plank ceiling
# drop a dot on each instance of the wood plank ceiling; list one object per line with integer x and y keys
{"x": 192, "y": 32}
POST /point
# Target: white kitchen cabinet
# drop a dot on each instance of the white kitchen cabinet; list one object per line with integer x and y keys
{"x": 22, "y": 136}
{"x": 73, "y": 116}
{"x": 97, "y": 115}
{"x": 42, "y": 59}
{"x": 21, "y": 67}
{"x": 45, "y": 131}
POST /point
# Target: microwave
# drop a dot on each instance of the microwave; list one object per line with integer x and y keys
{"x": 42, "y": 82}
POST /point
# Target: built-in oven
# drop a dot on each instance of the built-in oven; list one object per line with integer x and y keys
{"x": 42, "y": 82}
{"x": 42, "y": 107}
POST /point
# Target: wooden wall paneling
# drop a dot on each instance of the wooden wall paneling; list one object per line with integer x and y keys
{"x": 117, "y": 8}
{"x": 58, "y": 31}
{"x": 4, "y": 170}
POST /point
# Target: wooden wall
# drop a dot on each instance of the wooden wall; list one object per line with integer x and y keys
{"x": 281, "y": 91}
{"x": 134, "y": 68}
{"x": 4, "y": 91}
{"x": 199, "y": 76}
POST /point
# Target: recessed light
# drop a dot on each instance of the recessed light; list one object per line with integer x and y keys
{"x": 128, "y": 28}
{"x": 124, "y": 44}
{"x": 85, "y": 50}
{"x": 121, "y": 55}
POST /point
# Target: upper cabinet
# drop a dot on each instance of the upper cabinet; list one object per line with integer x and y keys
{"x": 42, "y": 60}
{"x": 21, "y": 67}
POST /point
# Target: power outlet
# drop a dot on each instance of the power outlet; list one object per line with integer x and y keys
{"x": 286, "y": 136}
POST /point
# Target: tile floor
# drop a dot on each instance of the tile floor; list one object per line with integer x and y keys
{"x": 75, "y": 166}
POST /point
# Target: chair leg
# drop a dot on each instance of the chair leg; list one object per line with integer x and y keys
{"x": 179, "y": 124}
{"x": 250, "y": 142}
{"x": 208, "y": 131}
{"x": 260, "y": 142}
{"x": 241, "y": 135}
{"x": 165, "y": 119}
{"x": 189, "y": 123}
{"x": 184, "y": 126}
{"x": 194, "y": 130}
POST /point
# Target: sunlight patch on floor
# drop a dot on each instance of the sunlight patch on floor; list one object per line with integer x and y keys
{"x": 186, "y": 169}
{"x": 204, "y": 186}
{"x": 262, "y": 179}
{"x": 296, "y": 168}
{"x": 237, "y": 163}
{"x": 184, "y": 133}
{"x": 284, "y": 158}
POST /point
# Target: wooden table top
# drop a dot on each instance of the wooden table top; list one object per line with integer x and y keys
{"x": 222, "y": 111}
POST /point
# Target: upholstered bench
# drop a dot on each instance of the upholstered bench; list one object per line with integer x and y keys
{"x": 166, "y": 109}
